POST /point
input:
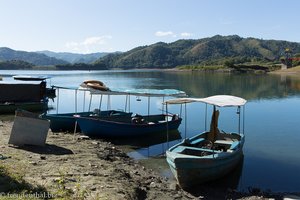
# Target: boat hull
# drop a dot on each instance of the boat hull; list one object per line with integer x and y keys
{"x": 192, "y": 170}
{"x": 66, "y": 122}
{"x": 124, "y": 127}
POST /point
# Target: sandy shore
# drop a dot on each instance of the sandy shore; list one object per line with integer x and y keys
{"x": 72, "y": 167}
{"x": 290, "y": 71}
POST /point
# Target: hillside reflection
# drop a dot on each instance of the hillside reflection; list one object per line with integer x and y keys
{"x": 201, "y": 84}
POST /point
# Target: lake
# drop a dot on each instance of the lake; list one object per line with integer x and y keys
{"x": 271, "y": 151}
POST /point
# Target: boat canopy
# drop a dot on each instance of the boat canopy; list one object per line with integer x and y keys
{"x": 141, "y": 92}
{"x": 30, "y": 78}
{"x": 217, "y": 100}
{"x": 134, "y": 92}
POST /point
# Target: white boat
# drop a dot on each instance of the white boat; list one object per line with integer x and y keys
{"x": 210, "y": 154}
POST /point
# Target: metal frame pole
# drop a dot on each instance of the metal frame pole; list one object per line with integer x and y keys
{"x": 100, "y": 103}
{"x": 148, "y": 105}
{"x": 76, "y": 101}
{"x": 57, "y": 101}
{"x": 185, "y": 119}
{"x": 205, "y": 121}
{"x": 90, "y": 102}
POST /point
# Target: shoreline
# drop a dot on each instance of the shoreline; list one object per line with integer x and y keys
{"x": 291, "y": 71}
{"x": 294, "y": 70}
{"x": 71, "y": 166}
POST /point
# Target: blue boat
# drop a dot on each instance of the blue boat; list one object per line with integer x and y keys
{"x": 118, "y": 124}
{"x": 127, "y": 126}
{"x": 66, "y": 122}
{"x": 209, "y": 155}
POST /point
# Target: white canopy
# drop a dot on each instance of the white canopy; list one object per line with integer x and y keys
{"x": 134, "y": 92}
{"x": 140, "y": 92}
{"x": 217, "y": 100}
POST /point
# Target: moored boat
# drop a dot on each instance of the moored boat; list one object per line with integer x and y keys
{"x": 208, "y": 155}
{"x": 95, "y": 84}
{"x": 50, "y": 91}
{"x": 66, "y": 121}
{"x": 127, "y": 126}
{"x": 122, "y": 123}
{"x": 28, "y": 96}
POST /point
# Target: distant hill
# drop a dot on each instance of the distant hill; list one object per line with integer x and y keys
{"x": 217, "y": 50}
{"x": 15, "y": 64}
{"x": 74, "y": 57}
{"x": 37, "y": 59}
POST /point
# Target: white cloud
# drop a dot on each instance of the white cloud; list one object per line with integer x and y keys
{"x": 172, "y": 34}
{"x": 163, "y": 34}
{"x": 96, "y": 40}
{"x": 186, "y": 34}
{"x": 88, "y": 45}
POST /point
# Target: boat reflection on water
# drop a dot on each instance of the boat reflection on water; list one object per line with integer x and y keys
{"x": 148, "y": 140}
{"x": 230, "y": 182}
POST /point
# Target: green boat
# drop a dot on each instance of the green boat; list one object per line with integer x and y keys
{"x": 209, "y": 155}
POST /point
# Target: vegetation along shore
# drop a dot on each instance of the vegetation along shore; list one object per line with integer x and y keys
{"x": 217, "y": 53}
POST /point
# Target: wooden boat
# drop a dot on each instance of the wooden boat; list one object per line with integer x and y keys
{"x": 208, "y": 155}
{"x": 50, "y": 92}
{"x": 28, "y": 96}
{"x": 127, "y": 126}
{"x": 95, "y": 84}
{"x": 121, "y": 124}
{"x": 66, "y": 121}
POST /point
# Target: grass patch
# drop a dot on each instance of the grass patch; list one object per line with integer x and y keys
{"x": 13, "y": 185}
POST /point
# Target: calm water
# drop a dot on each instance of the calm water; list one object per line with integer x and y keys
{"x": 271, "y": 151}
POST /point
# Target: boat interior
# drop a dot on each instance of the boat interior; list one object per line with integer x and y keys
{"x": 201, "y": 145}
{"x": 139, "y": 119}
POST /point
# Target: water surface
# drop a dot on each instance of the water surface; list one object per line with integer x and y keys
{"x": 271, "y": 151}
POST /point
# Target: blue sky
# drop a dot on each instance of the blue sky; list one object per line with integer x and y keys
{"x": 86, "y": 26}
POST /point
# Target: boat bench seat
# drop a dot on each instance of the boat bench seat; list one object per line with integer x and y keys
{"x": 234, "y": 145}
{"x": 197, "y": 141}
{"x": 180, "y": 149}
{"x": 199, "y": 149}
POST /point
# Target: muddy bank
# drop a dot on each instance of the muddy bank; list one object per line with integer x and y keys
{"x": 70, "y": 167}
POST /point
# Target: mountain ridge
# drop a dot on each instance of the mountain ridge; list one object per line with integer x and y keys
{"x": 229, "y": 51}
{"x": 8, "y": 54}
{"x": 74, "y": 57}
{"x": 216, "y": 50}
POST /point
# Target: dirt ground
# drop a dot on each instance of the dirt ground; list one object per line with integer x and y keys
{"x": 74, "y": 167}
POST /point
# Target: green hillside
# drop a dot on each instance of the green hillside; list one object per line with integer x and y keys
{"x": 217, "y": 50}
{"x": 37, "y": 59}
